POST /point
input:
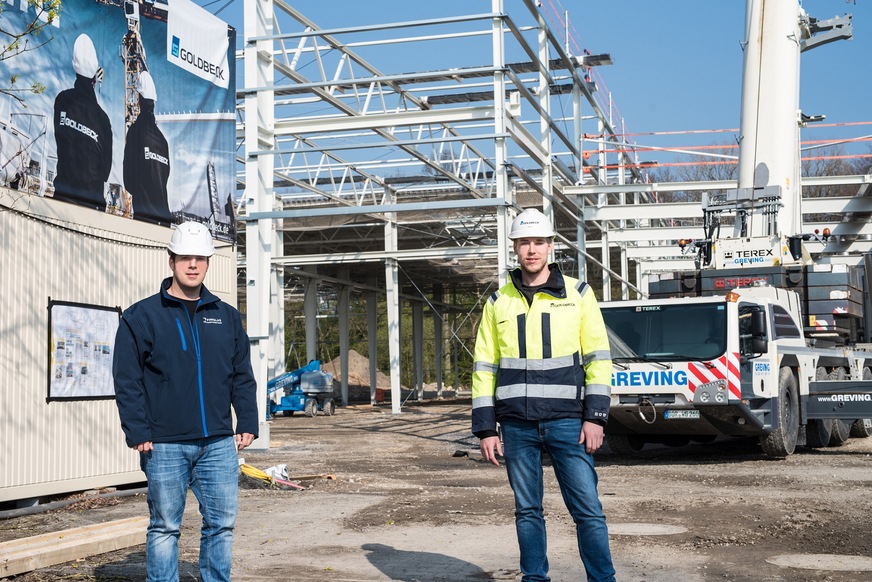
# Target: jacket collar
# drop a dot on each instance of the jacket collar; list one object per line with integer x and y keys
{"x": 554, "y": 286}
{"x": 205, "y": 295}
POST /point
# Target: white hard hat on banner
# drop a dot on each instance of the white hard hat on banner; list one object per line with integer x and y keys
{"x": 191, "y": 239}
{"x": 85, "y": 57}
{"x": 531, "y": 224}
{"x": 146, "y": 86}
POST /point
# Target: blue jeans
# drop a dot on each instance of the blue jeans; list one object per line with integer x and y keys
{"x": 210, "y": 467}
{"x": 574, "y": 468}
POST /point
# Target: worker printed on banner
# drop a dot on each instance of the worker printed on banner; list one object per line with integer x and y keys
{"x": 181, "y": 369}
{"x": 542, "y": 372}
{"x": 83, "y": 133}
{"x": 147, "y": 159}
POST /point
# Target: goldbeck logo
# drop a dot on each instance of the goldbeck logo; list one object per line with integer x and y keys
{"x": 179, "y": 52}
{"x": 73, "y": 124}
{"x": 150, "y": 155}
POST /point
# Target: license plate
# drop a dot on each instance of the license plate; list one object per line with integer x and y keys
{"x": 675, "y": 414}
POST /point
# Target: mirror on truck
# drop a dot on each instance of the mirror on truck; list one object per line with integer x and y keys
{"x": 752, "y": 331}
{"x": 759, "y": 344}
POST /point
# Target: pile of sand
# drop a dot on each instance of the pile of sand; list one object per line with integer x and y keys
{"x": 358, "y": 371}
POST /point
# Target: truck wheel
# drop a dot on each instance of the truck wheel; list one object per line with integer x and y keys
{"x": 782, "y": 440}
{"x": 624, "y": 444}
{"x": 841, "y": 432}
{"x": 311, "y": 408}
{"x": 862, "y": 428}
{"x": 819, "y": 432}
{"x": 841, "y": 428}
{"x": 329, "y": 407}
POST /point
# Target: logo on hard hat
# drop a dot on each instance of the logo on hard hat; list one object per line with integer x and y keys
{"x": 531, "y": 223}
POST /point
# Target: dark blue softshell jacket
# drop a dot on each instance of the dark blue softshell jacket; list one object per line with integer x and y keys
{"x": 176, "y": 378}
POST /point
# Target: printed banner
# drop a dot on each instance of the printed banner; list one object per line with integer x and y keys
{"x": 137, "y": 118}
{"x": 197, "y": 42}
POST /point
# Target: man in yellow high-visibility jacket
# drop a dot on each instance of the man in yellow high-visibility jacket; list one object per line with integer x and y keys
{"x": 543, "y": 371}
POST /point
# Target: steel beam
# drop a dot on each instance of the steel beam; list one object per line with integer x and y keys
{"x": 477, "y": 252}
{"x": 378, "y": 208}
{"x": 666, "y": 233}
{"x": 382, "y": 120}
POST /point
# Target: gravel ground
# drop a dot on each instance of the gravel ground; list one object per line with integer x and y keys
{"x": 413, "y": 501}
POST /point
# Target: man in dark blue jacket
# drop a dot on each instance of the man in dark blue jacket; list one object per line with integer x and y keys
{"x": 181, "y": 362}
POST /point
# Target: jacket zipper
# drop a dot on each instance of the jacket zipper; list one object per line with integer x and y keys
{"x": 182, "y": 335}
{"x": 195, "y": 340}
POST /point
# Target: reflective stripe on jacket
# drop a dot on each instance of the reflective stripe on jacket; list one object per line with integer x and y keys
{"x": 549, "y": 359}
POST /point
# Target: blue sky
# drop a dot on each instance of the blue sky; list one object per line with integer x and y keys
{"x": 678, "y": 63}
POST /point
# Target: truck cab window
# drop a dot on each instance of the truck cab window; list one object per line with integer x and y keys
{"x": 782, "y": 324}
{"x": 663, "y": 332}
{"x": 745, "y": 329}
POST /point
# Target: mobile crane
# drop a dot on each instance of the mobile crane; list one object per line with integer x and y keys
{"x": 758, "y": 340}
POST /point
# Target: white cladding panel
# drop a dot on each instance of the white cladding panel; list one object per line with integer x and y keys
{"x": 50, "y": 249}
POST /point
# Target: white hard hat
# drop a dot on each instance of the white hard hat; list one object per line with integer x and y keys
{"x": 146, "y": 86}
{"x": 85, "y": 57}
{"x": 191, "y": 239}
{"x": 531, "y": 224}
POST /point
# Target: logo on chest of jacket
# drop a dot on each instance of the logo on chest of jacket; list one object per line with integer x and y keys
{"x": 75, "y": 125}
{"x": 555, "y": 304}
{"x": 212, "y": 320}
{"x": 150, "y": 155}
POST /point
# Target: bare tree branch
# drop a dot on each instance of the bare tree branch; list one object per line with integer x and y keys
{"x": 15, "y": 43}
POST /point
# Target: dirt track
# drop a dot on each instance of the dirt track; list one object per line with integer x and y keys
{"x": 404, "y": 507}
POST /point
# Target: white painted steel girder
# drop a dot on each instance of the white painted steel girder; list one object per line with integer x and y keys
{"x": 829, "y": 205}
{"x": 666, "y": 233}
{"x": 714, "y": 185}
{"x": 383, "y": 120}
{"x": 472, "y": 252}
{"x": 649, "y": 187}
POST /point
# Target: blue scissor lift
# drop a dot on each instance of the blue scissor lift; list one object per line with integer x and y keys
{"x": 308, "y": 389}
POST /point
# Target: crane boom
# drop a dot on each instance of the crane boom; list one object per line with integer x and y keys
{"x": 766, "y": 205}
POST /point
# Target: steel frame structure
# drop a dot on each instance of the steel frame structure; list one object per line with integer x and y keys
{"x": 352, "y": 170}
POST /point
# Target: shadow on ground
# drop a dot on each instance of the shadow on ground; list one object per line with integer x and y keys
{"x": 407, "y": 566}
{"x": 132, "y": 569}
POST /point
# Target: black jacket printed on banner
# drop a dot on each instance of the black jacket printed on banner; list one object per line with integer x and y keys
{"x": 147, "y": 166}
{"x": 84, "y": 146}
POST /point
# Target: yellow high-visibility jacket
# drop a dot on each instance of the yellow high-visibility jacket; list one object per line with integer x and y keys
{"x": 540, "y": 361}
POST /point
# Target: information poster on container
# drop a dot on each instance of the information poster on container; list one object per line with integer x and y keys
{"x": 81, "y": 340}
{"x": 137, "y": 112}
